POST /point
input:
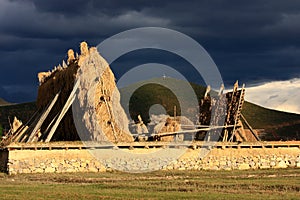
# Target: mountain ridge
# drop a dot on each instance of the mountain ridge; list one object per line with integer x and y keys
{"x": 3, "y": 102}
{"x": 278, "y": 125}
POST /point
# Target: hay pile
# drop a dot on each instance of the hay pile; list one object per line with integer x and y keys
{"x": 98, "y": 100}
{"x": 59, "y": 80}
{"x": 168, "y": 126}
{"x": 97, "y": 108}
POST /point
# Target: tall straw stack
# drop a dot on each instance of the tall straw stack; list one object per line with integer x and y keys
{"x": 107, "y": 116}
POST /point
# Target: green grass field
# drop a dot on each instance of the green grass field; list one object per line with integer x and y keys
{"x": 261, "y": 184}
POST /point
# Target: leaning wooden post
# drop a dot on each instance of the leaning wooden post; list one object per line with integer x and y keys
{"x": 42, "y": 119}
{"x": 63, "y": 112}
{"x": 238, "y": 112}
{"x": 175, "y": 113}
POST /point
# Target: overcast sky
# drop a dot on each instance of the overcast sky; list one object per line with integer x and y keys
{"x": 253, "y": 41}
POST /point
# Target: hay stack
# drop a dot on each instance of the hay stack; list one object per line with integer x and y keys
{"x": 97, "y": 107}
{"x": 99, "y": 99}
{"x": 168, "y": 126}
{"x": 58, "y": 80}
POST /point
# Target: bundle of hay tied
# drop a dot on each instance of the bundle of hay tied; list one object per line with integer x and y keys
{"x": 168, "y": 125}
{"x": 100, "y": 114}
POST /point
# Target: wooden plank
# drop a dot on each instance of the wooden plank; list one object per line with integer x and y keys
{"x": 190, "y": 131}
{"x": 51, "y": 123}
{"x": 238, "y": 112}
{"x": 43, "y": 118}
{"x": 19, "y": 133}
{"x": 63, "y": 112}
{"x": 93, "y": 145}
{"x": 24, "y": 136}
{"x": 251, "y": 129}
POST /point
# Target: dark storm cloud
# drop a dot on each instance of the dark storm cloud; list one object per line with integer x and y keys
{"x": 53, "y": 19}
{"x": 249, "y": 40}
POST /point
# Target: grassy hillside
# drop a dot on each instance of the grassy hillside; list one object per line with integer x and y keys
{"x": 23, "y": 112}
{"x": 3, "y": 102}
{"x": 260, "y": 117}
{"x": 278, "y": 125}
{"x": 167, "y": 92}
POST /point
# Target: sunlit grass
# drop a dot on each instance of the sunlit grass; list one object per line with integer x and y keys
{"x": 261, "y": 184}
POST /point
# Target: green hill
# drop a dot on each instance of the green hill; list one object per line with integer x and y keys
{"x": 278, "y": 125}
{"x": 167, "y": 92}
{"x": 261, "y": 117}
{"x": 22, "y": 111}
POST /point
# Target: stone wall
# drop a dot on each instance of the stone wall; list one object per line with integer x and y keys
{"x": 50, "y": 161}
{"x": 80, "y": 160}
{"x": 238, "y": 159}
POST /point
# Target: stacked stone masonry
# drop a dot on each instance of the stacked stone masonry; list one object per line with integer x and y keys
{"x": 80, "y": 160}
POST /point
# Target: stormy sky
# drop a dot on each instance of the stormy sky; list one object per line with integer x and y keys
{"x": 252, "y": 41}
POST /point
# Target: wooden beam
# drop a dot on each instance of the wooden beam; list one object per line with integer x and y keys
{"x": 43, "y": 118}
{"x": 21, "y": 131}
{"x": 238, "y": 112}
{"x": 191, "y": 131}
{"x": 63, "y": 112}
{"x": 250, "y": 128}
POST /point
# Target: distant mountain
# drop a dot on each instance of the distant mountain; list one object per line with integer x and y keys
{"x": 3, "y": 102}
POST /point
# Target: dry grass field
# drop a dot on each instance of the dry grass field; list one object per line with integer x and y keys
{"x": 260, "y": 184}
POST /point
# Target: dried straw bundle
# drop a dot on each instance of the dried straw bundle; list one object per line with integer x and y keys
{"x": 98, "y": 99}
{"x": 169, "y": 125}
{"x": 63, "y": 81}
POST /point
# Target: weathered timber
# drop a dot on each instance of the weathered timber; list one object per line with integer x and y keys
{"x": 42, "y": 119}
{"x": 63, "y": 112}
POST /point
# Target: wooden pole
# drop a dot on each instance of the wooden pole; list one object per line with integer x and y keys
{"x": 43, "y": 118}
{"x": 175, "y": 113}
{"x": 21, "y": 131}
{"x": 238, "y": 112}
{"x": 191, "y": 131}
{"x": 251, "y": 129}
{"x": 63, "y": 112}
